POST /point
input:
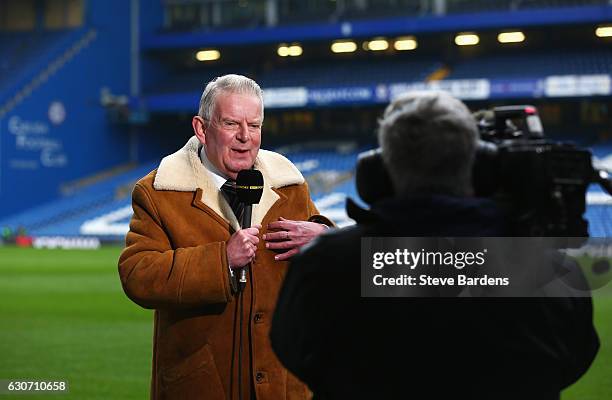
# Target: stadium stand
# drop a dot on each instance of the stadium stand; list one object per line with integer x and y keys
{"x": 103, "y": 209}
{"x": 19, "y": 48}
{"x": 22, "y": 54}
{"x": 534, "y": 64}
{"x": 329, "y": 173}
{"x": 599, "y": 216}
{"x": 193, "y": 79}
{"x": 361, "y": 72}
{"x": 81, "y": 203}
{"x": 365, "y": 72}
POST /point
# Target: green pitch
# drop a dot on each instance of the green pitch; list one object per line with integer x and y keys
{"x": 64, "y": 317}
{"x": 596, "y": 384}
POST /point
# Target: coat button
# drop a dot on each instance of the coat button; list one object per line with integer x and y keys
{"x": 260, "y": 377}
{"x": 258, "y": 318}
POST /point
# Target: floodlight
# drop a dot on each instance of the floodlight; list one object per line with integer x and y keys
{"x": 467, "y": 39}
{"x": 344, "y": 46}
{"x": 208, "y": 55}
{"x": 511, "y": 37}
{"x": 405, "y": 43}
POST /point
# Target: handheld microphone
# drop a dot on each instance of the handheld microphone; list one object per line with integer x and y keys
{"x": 249, "y": 188}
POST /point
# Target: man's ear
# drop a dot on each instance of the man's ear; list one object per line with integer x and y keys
{"x": 199, "y": 128}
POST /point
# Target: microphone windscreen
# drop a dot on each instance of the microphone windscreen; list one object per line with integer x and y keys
{"x": 249, "y": 186}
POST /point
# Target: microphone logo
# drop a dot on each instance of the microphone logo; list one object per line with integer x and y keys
{"x": 249, "y": 186}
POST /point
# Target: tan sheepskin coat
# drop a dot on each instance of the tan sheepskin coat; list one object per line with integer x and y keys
{"x": 175, "y": 262}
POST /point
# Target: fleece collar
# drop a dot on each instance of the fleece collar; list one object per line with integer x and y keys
{"x": 183, "y": 171}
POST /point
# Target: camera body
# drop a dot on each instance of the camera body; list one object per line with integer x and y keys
{"x": 541, "y": 184}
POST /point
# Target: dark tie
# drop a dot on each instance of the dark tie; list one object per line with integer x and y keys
{"x": 229, "y": 192}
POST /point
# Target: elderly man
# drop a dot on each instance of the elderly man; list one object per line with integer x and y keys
{"x": 347, "y": 347}
{"x": 185, "y": 246}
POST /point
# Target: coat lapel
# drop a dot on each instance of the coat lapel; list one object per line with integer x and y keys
{"x": 268, "y": 199}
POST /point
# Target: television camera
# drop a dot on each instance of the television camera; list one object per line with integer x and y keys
{"x": 540, "y": 183}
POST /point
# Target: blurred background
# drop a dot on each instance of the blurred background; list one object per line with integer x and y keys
{"x": 93, "y": 93}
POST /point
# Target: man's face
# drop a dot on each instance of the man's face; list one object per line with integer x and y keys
{"x": 233, "y": 135}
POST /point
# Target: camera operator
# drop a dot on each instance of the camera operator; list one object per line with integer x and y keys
{"x": 344, "y": 346}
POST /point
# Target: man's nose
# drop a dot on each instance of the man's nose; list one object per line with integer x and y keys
{"x": 243, "y": 132}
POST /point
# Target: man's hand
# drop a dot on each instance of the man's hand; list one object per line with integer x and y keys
{"x": 241, "y": 246}
{"x": 286, "y": 234}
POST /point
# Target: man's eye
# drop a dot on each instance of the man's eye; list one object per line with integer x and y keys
{"x": 255, "y": 126}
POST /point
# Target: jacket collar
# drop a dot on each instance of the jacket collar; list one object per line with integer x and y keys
{"x": 183, "y": 171}
{"x": 432, "y": 215}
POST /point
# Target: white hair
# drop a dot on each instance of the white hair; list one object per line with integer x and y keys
{"x": 428, "y": 142}
{"x": 230, "y": 83}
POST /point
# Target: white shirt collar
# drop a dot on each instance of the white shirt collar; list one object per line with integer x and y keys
{"x": 215, "y": 174}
